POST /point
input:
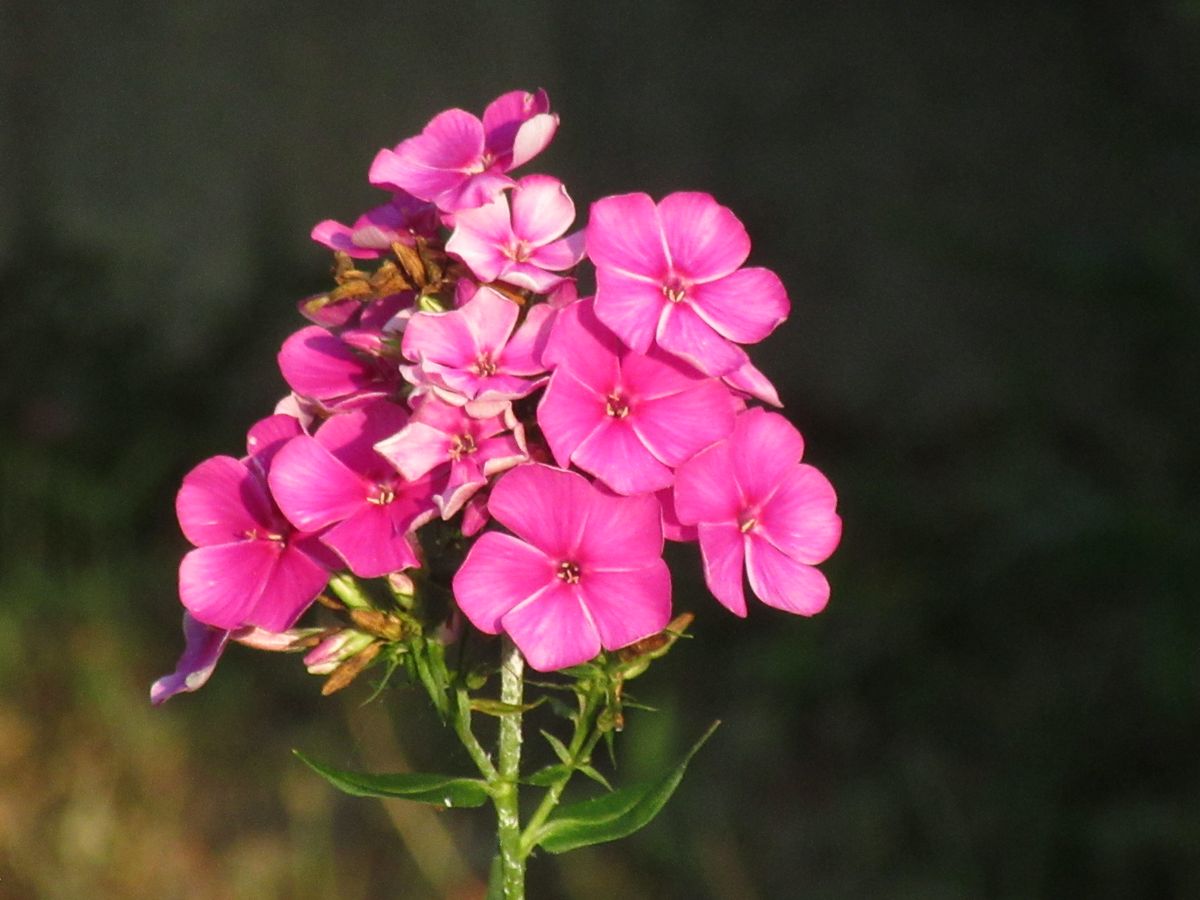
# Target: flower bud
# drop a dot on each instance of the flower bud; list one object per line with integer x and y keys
{"x": 335, "y": 650}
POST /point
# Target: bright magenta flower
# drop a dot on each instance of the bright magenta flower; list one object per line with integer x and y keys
{"x": 627, "y": 418}
{"x": 753, "y": 502}
{"x": 583, "y": 571}
{"x": 458, "y": 162}
{"x": 325, "y": 368}
{"x": 335, "y": 480}
{"x": 466, "y": 449}
{"x": 669, "y": 275}
{"x": 520, "y": 244}
{"x": 399, "y": 222}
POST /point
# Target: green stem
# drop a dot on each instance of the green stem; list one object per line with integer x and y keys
{"x": 505, "y": 795}
{"x": 462, "y": 727}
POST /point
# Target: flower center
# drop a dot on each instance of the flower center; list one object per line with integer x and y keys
{"x": 382, "y": 495}
{"x": 462, "y": 445}
{"x": 520, "y": 251}
{"x": 674, "y": 289}
{"x": 747, "y": 519}
{"x": 569, "y": 572}
{"x": 617, "y": 406}
{"x": 485, "y": 365}
{"x": 254, "y": 534}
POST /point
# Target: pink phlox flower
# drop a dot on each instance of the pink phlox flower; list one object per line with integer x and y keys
{"x": 203, "y": 646}
{"x": 471, "y": 356}
{"x": 518, "y": 239}
{"x": 627, "y": 418}
{"x": 267, "y": 436}
{"x": 458, "y": 162}
{"x": 475, "y": 514}
{"x": 669, "y": 275}
{"x": 751, "y": 383}
{"x": 466, "y": 449}
{"x": 673, "y": 529}
{"x": 323, "y": 367}
{"x": 251, "y": 567}
{"x": 335, "y": 480}
{"x": 400, "y": 221}
{"x": 581, "y": 570}
{"x": 754, "y": 502}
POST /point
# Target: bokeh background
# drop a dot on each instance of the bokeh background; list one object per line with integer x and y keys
{"x": 988, "y": 216}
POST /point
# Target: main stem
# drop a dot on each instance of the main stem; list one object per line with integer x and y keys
{"x": 508, "y": 814}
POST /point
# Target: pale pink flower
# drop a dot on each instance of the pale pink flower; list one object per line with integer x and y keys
{"x": 583, "y": 571}
{"x": 627, "y": 418}
{"x": 372, "y": 234}
{"x": 754, "y": 503}
{"x": 335, "y": 480}
{"x": 519, "y": 244}
{"x": 470, "y": 355}
{"x": 458, "y": 161}
{"x": 669, "y": 275}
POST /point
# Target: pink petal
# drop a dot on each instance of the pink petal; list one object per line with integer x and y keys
{"x": 544, "y": 506}
{"x": 673, "y": 529}
{"x": 490, "y": 316}
{"x": 221, "y": 501}
{"x": 318, "y": 364}
{"x": 523, "y": 352}
{"x": 533, "y": 137}
{"x": 568, "y": 414}
{"x": 267, "y": 436}
{"x": 499, "y": 572}
{"x": 615, "y": 455}
{"x": 628, "y": 605}
{"x": 416, "y": 450}
{"x": 351, "y": 436}
{"x": 466, "y": 479}
{"x": 683, "y": 333}
{"x": 581, "y": 343}
{"x": 336, "y": 236}
{"x": 781, "y": 581}
{"x": 648, "y": 377}
{"x": 398, "y": 170}
{"x": 629, "y": 306}
{"x": 542, "y": 210}
{"x": 705, "y": 490}
{"x": 799, "y": 519}
{"x": 435, "y": 161}
{"x": 505, "y": 115}
{"x": 473, "y": 192}
{"x": 373, "y": 541}
{"x": 744, "y": 307}
{"x": 621, "y": 532}
{"x": 220, "y": 585}
{"x": 749, "y": 380}
{"x": 553, "y": 629}
{"x": 291, "y": 588}
{"x": 498, "y": 454}
{"x": 530, "y": 276}
{"x": 203, "y": 648}
{"x": 765, "y": 450}
{"x": 443, "y": 338}
{"x": 704, "y": 239}
{"x": 723, "y": 552}
{"x": 624, "y": 235}
{"x": 676, "y": 427}
{"x": 480, "y": 238}
{"x": 560, "y": 254}
{"x": 312, "y": 487}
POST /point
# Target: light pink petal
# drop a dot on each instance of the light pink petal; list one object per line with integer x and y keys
{"x": 336, "y": 236}
{"x": 621, "y": 532}
{"x": 582, "y": 344}
{"x": 744, "y": 307}
{"x": 629, "y": 306}
{"x": 799, "y": 519}
{"x": 749, "y": 380}
{"x": 704, "y": 239}
{"x": 221, "y": 501}
{"x": 481, "y": 236}
{"x": 499, "y": 572}
{"x": 722, "y": 549}
{"x": 267, "y": 436}
{"x": 312, "y": 487}
{"x": 530, "y": 276}
{"x": 533, "y": 137}
{"x": 473, "y": 192}
{"x": 658, "y": 374}
{"x": 373, "y": 541}
{"x": 399, "y": 170}
{"x": 466, "y": 479}
{"x": 498, "y": 454}
{"x": 673, "y": 529}
{"x": 221, "y": 584}
{"x": 615, "y": 455}
{"x": 560, "y": 254}
{"x": 436, "y": 160}
{"x": 781, "y": 581}
{"x": 443, "y": 338}
{"x": 624, "y": 235}
{"x": 202, "y": 649}
{"x": 490, "y": 316}
{"x": 545, "y": 506}
{"x": 552, "y": 629}
{"x": 499, "y": 387}
{"x": 568, "y": 414}
{"x": 676, "y": 427}
{"x": 765, "y": 449}
{"x": 318, "y": 364}
{"x": 523, "y": 353}
{"x": 416, "y": 450}
{"x": 475, "y": 515}
{"x": 683, "y": 333}
{"x": 542, "y": 210}
{"x": 505, "y": 115}
{"x": 705, "y": 490}
{"x": 291, "y": 588}
{"x": 628, "y": 605}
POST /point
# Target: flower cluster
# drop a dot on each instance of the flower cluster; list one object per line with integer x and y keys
{"x": 463, "y": 415}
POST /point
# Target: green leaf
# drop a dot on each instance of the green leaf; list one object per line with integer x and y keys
{"x": 547, "y": 776}
{"x": 595, "y": 776}
{"x": 615, "y": 815}
{"x": 441, "y": 790}
{"x": 560, "y": 749}
{"x": 497, "y": 708}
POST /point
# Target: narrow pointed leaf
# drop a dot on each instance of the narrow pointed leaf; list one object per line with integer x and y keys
{"x": 614, "y": 815}
{"x": 547, "y": 776}
{"x": 440, "y": 790}
{"x": 560, "y": 748}
{"x": 595, "y": 776}
{"x": 497, "y": 708}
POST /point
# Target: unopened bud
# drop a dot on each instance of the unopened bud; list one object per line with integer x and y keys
{"x": 335, "y": 650}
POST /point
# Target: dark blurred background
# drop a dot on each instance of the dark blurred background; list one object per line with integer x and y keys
{"x": 988, "y": 217}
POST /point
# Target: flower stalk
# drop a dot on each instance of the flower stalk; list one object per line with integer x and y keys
{"x": 506, "y": 796}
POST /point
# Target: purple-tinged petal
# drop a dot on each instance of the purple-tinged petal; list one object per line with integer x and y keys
{"x": 320, "y": 365}
{"x": 750, "y": 381}
{"x": 544, "y": 506}
{"x": 744, "y": 307}
{"x": 568, "y": 414}
{"x": 630, "y": 307}
{"x": 621, "y": 532}
{"x": 542, "y": 210}
{"x": 499, "y": 572}
{"x": 533, "y": 137}
{"x": 683, "y": 333}
{"x": 221, "y": 501}
{"x": 293, "y": 584}
{"x": 466, "y": 478}
{"x": 705, "y": 240}
{"x": 624, "y": 235}
{"x": 615, "y": 455}
{"x": 499, "y": 454}
{"x": 722, "y": 549}
{"x": 765, "y": 448}
{"x": 676, "y": 427}
{"x": 628, "y": 605}
{"x": 560, "y": 254}
{"x": 267, "y": 436}
{"x": 705, "y": 490}
{"x": 336, "y": 236}
{"x": 221, "y": 584}
{"x": 203, "y": 648}
{"x": 799, "y": 519}
{"x": 553, "y": 629}
{"x": 504, "y": 116}
{"x": 475, "y": 515}
{"x": 373, "y": 541}
{"x": 582, "y": 344}
{"x": 673, "y": 529}
{"x": 782, "y": 582}
{"x": 312, "y": 487}
{"x": 351, "y": 436}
